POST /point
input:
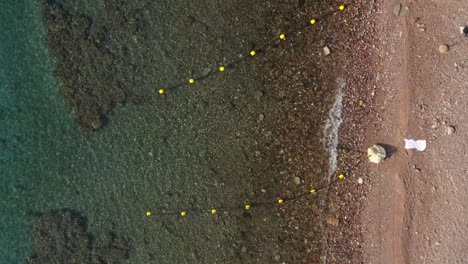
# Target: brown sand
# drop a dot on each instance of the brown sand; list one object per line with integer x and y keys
{"x": 415, "y": 211}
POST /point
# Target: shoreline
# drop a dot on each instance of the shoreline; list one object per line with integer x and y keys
{"x": 275, "y": 139}
{"x": 346, "y": 199}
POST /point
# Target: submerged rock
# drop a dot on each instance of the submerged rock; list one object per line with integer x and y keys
{"x": 297, "y": 180}
{"x": 61, "y": 237}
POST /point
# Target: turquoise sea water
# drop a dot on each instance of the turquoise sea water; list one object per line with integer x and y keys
{"x": 35, "y": 128}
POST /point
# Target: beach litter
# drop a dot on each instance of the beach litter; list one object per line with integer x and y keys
{"x": 376, "y": 154}
{"x": 415, "y": 144}
{"x": 464, "y": 31}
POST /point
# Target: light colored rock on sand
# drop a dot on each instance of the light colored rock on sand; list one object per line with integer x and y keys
{"x": 376, "y": 154}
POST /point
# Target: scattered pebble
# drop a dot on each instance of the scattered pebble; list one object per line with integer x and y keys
{"x": 326, "y": 51}
{"x": 450, "y": 130}
{"x": 400, "y": 10}
{"x": 258, "y": 94}
{"x": 277, "y": 257}
{"x": 444, "y": 48}
{"x": 261, "y": 117}
{"x": 206, "y": 71}
{"x": 416, "y": 168}
{"x": 360, "y": 180}
{"x": 244, "y": 249}
{"x": 297, "y": 180}
{"x": 333, "y": 221}
{"x": 421, "y": 27}
{"x": 96, "y": 124}
{"x": 464, "y": 31}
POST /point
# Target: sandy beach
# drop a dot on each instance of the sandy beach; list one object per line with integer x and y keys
{"x": 411, "y": 207}
{"x": 414, "y": 208}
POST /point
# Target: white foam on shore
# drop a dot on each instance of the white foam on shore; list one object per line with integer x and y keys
{"x": 332, "y": 125}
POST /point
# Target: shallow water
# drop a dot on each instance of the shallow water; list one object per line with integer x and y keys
{"x": 194, "y": 148}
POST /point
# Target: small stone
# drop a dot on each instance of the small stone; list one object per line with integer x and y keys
{"x": 277, "y": 257}
{"x": 333, "y": 221}
{"x": 206, "y": 71}
{"x": 230, "y": 105}
{"x": 258, "y": 95}
{"x": 326, "y": 51}
{"x": 96, "y": 124}
{"x": 400, "y": 10}
{"x": 244, "y": 249}
{"x": 360, "y": 180}
{"x": 261, "y": 117}
{"x": 297, "y": 180}
{"x": 444, "y": 48}
{"x": 450, "y": 130}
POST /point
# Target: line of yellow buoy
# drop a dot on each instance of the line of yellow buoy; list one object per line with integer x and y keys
{"x": 252, "y": 53}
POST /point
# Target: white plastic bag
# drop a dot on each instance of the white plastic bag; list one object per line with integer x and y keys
{"x": 415, "y": 144}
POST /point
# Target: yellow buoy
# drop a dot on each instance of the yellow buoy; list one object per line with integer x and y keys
{"x": 252, "y": 53}
{"x": 161, "y": 91}
{"x": 342, "y": 7}
{"x": 247, "y": 207}
{"x": 280, "y": 201}
{"x": 191, "y": 81}
{"x": 312, "y": 191}
{"x": 282, "y": 36}
{"x": 221, "y": 68}
{"x": 341, "y": 176}
{"x": 313, "y": 21}
{"x": 183, "y": 213}
{"x": 148, "y": 213}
